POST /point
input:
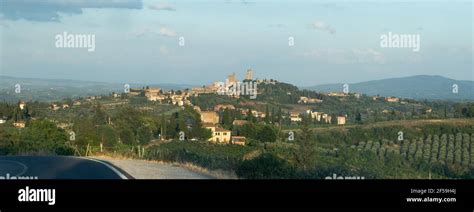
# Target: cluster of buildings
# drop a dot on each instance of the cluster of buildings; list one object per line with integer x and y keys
{"x": 22, "y": 123}
{"x": 182, "y": 97}
{"x": 326, "y": 118}
{"x": 307, "y": 100}
{"x": 179, "y": 98}
{"x": 205, "y": 89}
{"x": 210, "y": 121}
{"x": 338, "y": 94}
{"x": 243, "y": 112}
{"x": 19, "y": 124}
{"x": 342, "y": 94}
{"x": 357, "y": 95}
{"x": 55, "y": 107}
{"x": 319, "y": 116}
{"x": 392, "y": 99}
{"x": 231, "y": 87}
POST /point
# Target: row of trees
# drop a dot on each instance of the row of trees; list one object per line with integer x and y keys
{"x": 444, "y": 149}
{"x": 108, "y": 128}
{"x": 453, "y": 152}
{"x": 14, "y": 112}
{"x": 133, "y": 127}
{"x": 39, "y": 137}
{"x": 260, "y": 132}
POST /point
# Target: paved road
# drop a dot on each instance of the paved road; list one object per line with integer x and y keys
{"x": 58, "y": 167}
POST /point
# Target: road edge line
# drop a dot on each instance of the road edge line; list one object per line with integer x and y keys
{"x": 119, "y": 173}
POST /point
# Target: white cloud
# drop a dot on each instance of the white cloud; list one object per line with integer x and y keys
{"x": 320, "y": 25}
{"x": 51, "y": 10}
{"x": 167, "y": 32}
{"x": 163, "y": 31}
{"x": 162, "y": 6}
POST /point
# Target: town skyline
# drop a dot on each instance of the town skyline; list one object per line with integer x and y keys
{"x": 240, "y": 75}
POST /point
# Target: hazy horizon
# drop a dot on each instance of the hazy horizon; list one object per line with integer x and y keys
{"x": 184, "y": 84}
{"x": 138, "y": 41}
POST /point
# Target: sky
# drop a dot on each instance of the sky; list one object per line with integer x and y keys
{"x": 138, "y": 41}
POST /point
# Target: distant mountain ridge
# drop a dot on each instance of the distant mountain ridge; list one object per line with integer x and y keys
{"x": 8, "y": 80}
{"x": 57, "y": 89}
{"x": 416, "y": 87}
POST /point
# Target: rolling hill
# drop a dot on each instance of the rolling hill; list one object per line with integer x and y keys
{"x": 416, "y": 87}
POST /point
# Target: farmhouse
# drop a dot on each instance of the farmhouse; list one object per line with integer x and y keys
{"x": 238, "y": 140}
{"x": 224, "y": 106}
{"x": 295, "y": 117}
{"x": 341, "y": 120}
{"x": 239, "y": 122}
{"x": 327, "y": 118}
{"x": 153, "y": 94}
{"x": 19, "y": 124}
{"x": 314, "y": 114}
{"x": 392, "y": 99}
{"x": 219, "y": 135}
{"x": 209, "y": 117}
{"x": 306, "y": 100}
{"x": 55, "y": 107}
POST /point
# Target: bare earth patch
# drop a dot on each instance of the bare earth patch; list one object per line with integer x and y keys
{"x": 142, "y": 169}
{"x": 145, "y": 169}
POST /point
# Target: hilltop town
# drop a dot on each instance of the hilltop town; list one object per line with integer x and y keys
{"x": 225, "y": 124}
{"x": 303, "y": 110}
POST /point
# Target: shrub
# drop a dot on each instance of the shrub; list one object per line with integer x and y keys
{"x": 435, "y": 149}
{"x": 450, "y": 151}
{"x": 64, "y": 150}
{"x": 265, "y": 166}
{"x": 442, "y": 149}
{"x": 411, "y": 150}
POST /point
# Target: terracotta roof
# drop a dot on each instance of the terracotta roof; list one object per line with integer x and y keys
{"x": 208, "y": 125}
{"x": 218, "y": 129}
{"x": 239, "y": 122}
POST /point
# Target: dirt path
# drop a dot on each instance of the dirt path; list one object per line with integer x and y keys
{"x": 142, "y": 169}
